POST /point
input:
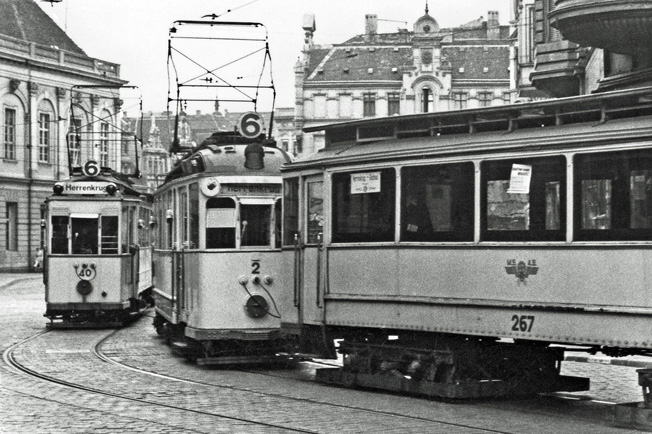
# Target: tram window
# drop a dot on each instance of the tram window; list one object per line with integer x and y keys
{"x": 220, "y": 223}
{"x": 84, "y": 235}
{"x": 183, "y": 199}
{"x": 437, "y": 203}
{"x": 170, "y": 224}
{"x": 109, "y": 235}
{"x": 145, "y": 231}
{"x": 278, "y": 213}
{"x": 315, "y": 210}
{"x": 363, "y": 206}
{"x": 523, "y": 200}
{"x": 291, "y": 212}
{"x": 194, "y": 216}
{"x": 255, "y": 225}
{"x": 59, "y": 235}
{"x": 125, "y": 231}
{"x": 614, "y": 196}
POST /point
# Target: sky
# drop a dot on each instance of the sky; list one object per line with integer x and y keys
{"x": 134, "y": 33}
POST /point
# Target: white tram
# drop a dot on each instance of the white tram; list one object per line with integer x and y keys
{"x": 98, "y": 254}
{"x": 218, "y": 255}
{"x": 457, "y": 254}
{"x": 98, "y": 260}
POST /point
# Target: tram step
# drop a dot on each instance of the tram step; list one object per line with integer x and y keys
{"x": 237, "y": 360}
{"x": 478, "y": 389}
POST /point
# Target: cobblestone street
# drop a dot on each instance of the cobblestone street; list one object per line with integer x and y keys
{"x": 202, "y": 399}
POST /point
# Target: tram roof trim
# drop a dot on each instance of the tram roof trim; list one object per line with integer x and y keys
{"x": 600, "y": 108}
{"x": 578, "y": 136}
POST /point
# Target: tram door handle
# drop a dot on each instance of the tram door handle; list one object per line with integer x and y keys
{"x": 297, "y": 272}
{"x": 320, "y": 248}
{"x": 181, "y": 303}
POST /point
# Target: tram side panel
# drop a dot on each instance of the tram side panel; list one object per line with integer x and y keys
{"x": 144, "y": 269}
{"x": 163, "y": 285}
{"x": 593, "y": 295}
{"x": 289, "y": 299}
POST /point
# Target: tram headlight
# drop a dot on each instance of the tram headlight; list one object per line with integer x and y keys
{"x": 58, "y": 188}
{"x": 111, "y": 189}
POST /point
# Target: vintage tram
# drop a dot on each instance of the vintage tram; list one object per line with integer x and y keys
{"x": 97, "y": 265}
{"x": 218, "y": 253}
{"x": 218, "y": 256}
{"x": 98, "y": 262}
{"x": 459, "y": 254}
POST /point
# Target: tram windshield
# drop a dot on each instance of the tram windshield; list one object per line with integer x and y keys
{"x": 84, "y": 234}
{"x": 253, "y": 228}
{"x": 255, "y": 225}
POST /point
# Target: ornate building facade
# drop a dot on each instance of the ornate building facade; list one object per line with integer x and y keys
{"x": 381, "y": 74}
{"x": 39, "y": 65}
{"x": 587, "y": 46}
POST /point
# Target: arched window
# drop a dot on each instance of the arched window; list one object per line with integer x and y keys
{"x": 46, "y": 131}
{"x": 77, "y": 127}
{"x": 427, "y": 99}
{"x": 13, "y": 135}
{"x": 106, "y": 151}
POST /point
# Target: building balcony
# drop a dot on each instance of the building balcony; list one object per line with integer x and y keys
{"x": 558, "y": 68}
{"x": 619, "y": 26}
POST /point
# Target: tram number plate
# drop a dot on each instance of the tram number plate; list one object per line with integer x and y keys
{"x": 522, "y": 323}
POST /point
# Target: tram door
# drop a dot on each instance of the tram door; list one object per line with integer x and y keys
{"x": 178, "y": 255}
{"x": 178, "y": 283}
{"x": 311, "y": 259}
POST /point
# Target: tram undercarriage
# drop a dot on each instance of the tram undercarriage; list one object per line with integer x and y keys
{"x": 239, "y": 347}
{"x": 452, "y": 367}
{"x": 96, "y": 315}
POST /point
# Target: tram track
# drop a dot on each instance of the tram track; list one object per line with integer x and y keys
{"x": 9, "y": 359}
{"x": 96, "y": 350}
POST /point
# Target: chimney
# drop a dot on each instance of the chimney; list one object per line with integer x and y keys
{"x": 493, "y": 25}
{"x": 371, "y": 24}
{"x": 309, "y": 26}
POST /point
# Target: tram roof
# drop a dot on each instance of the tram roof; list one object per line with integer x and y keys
{"x": 596, "y": 108}
{"x": 225, "y": 159}
{"x": 567, "y": 122}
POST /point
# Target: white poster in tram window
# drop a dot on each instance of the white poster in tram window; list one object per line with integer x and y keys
{"x": 368, "y": 182}
{"x": 220, "y": 218}
{"x": 519, "y": 182}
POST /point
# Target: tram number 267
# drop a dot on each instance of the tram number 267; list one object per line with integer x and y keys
{"x": 522, "y": 323}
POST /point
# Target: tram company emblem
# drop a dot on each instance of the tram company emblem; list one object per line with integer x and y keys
{"x": 522, "y": 270}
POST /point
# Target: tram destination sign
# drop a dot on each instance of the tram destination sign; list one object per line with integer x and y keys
{"x": 90, "y": 187}
{"x": 251, "y": 189}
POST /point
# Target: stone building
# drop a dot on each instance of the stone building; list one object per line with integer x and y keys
{"x": 380, "y": 74}
{"x": 587, "y": 46}
{"x": 39, "y": 65}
